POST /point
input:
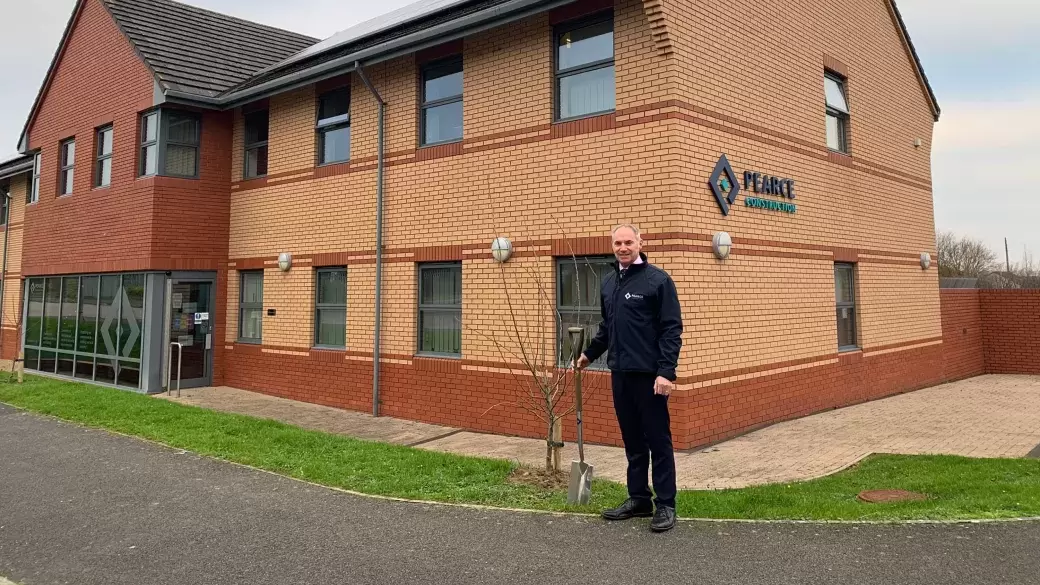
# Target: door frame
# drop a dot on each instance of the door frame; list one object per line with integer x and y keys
{"x": 188, "y": 278}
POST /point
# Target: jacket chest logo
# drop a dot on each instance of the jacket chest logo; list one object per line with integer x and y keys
{"x": 629, "y": 296}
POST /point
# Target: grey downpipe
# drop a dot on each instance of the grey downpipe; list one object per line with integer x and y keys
{"x": 379, "y": 239}
{"x": 3, "y": 278}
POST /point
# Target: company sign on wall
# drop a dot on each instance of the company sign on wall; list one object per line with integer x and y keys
{"x": 726, "y": 187}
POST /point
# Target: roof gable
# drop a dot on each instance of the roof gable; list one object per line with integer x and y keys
{"x": 198, "y": 51}
{"x": 926, "y": 86}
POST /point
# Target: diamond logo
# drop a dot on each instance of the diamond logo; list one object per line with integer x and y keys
{"x": 724, "y": 184}
{"x": 628, "y": 296}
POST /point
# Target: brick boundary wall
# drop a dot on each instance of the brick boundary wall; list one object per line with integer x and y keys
{"x": 964, "y": 354}
{"x": 1012, "y": 330}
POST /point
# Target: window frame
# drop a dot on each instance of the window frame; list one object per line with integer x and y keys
{"x": 165, "y": 142}
{"x": 420, "y": 307}
{"x": 243, "y": 306}
{"x": 843, "y": 118}
{"x": 33, "y": 195}
{"x": 161, "y": 142}
{"x": 593, "y": 312}
{"x": 426, "y": 105}
{"x": 66, "y": 171}
{"x": 100, "y": 157}
{"x": 144, "y": 143}
{"x": 851, "y": 268}
{"x": 559, "y": 74}
{"x": 318, "y": 305}
{"x": 95, "y": 357}
{"x": 248, "y": 146}
{"x": 5, "y": 210}
{"x": 323, "y": 126}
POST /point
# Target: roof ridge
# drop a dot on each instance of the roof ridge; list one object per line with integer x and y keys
{"x": 199, "y": 10}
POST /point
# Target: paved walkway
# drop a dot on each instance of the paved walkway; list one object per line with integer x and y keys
{"x": 988, "y": 416}
{"x": 88, "y": 507}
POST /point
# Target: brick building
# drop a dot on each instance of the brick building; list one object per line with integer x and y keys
{"x": 170, "y": 168}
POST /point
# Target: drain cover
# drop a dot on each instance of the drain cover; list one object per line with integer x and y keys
{"x": 885, "y": 496}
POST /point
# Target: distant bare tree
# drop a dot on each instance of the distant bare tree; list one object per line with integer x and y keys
{"x": 963, "y": 256}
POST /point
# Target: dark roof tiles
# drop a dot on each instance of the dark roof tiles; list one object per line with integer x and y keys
{"x": 198, "y": 51}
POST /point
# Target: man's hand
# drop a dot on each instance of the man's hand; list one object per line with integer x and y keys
{"x": 582, "y": 363}
{"x": 663, "y": 386}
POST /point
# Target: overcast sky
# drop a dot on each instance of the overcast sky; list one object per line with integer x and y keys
{"x": 982, "y": 57}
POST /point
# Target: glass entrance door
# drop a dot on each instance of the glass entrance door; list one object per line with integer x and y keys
{"x": 191, "y": 325}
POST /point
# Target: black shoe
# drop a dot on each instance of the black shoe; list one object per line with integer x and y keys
{"x": 632, "y": 508}
{"x": 664, "y": 519}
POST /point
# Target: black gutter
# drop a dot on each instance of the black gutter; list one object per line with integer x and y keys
{"x": 425, "y": 38}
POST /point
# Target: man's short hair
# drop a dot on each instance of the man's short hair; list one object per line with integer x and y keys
{"x": 635, "y": 230}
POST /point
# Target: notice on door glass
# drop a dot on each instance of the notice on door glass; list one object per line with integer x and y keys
{"x": 186, "y": 340}
{"x": 189, "y": 308}
{"x": 178, "y": 300}
{"x": 200, "y": 317}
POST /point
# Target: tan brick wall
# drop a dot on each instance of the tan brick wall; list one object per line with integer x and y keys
{"x": 897, "y": 303}
{"x": 12, "y": 285}
{"x": 681, "y": 101}
{"x": 292, "y": 140}
{"x": 762, "y": 62}
{"x": 652, "y": 171}
{"x": 511, "y": 77}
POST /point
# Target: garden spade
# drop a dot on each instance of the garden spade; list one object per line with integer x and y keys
{"x": 581, "y": 473}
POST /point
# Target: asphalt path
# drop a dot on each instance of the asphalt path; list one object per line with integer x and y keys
{"x": 85, "y": 507}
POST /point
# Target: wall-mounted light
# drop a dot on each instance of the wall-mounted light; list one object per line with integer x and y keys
{"x": 721, "y": 245}
{"x": 926, "y": 260}
{"x": 501, "y": 249}
{"x": 284, "y": 261}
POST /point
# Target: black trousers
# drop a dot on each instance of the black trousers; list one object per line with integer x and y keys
{"x": 646, "y": 431}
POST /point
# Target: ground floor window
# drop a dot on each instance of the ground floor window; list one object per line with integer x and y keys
{"x": 578, "y": 284}
{"x": 845, "y": 295}
{"x": 440, "y": 308}
{"x": 88, "y": 326}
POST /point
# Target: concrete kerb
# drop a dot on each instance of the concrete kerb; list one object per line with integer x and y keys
{"x": 556, "y": 513}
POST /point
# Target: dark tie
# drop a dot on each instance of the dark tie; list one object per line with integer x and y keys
{"x": 623, "y": 271}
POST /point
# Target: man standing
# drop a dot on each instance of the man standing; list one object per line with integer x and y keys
{"x": 642, "y": 329}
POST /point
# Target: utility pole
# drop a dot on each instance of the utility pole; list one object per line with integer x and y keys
{"x": 1007, "y": 257}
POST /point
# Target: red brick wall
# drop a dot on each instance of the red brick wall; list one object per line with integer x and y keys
{"x": 191, "y": 216}
{"x": 153, "y": 223}
{"x": 724, "y": 411}
{"x": 1012, "y": 330}
{"x": 964, "y": 355}
{"x": 98, "y": 80}
{"x": 433, "y": 391}
{"x": 444, "y": 393}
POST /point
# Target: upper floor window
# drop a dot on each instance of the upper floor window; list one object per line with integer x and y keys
{"x": 68, "y": 163}
{"x": 170, "y": 144}
{"x": 34, "y": 186}
{"x": 103, "y": 166}
{"x": 256, "y": 128}
{"x": 585, "y": 68}
{"x": 180, "y": 144}
{"x": 837, "y": 113}
{"x": 333, "y": 126}
{"x": 441, "y": 117}
{"x": 5, "y": 195}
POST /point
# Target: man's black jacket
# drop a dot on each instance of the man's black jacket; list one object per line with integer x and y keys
{"x": 642, "y": 321}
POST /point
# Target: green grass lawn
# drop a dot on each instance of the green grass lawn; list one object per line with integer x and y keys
{"x": 958, "y": 487}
